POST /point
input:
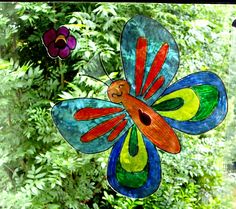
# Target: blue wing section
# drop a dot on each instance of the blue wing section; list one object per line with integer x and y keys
{"x": 72, "y": 129}
{"x": 121, "y": 174}
{"x": 156, "y": 35}
{"x": 216, "y": 116}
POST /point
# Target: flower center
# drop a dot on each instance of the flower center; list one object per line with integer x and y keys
{"x": 60, "y": 42}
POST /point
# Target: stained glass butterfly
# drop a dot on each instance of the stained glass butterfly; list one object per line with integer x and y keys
{"x": 143, "y": 109}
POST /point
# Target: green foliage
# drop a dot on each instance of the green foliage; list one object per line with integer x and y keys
{"x": 38, "y": 168}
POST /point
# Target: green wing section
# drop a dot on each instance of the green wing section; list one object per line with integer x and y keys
{"x": 134, "y": 168}
{"x": 170, "y": 104}
{"x": 188, "y": 104}
{"x": 208, "y": 96}
{"x": 131, "y": 179}
{"x": 195, "y": 104}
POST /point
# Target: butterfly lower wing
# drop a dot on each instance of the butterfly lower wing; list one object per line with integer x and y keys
{"x": 195, "y": 104}
{"x": 150, "y": 57}
{"x": 134, "y": 168}
{"x": 90, "y": 125}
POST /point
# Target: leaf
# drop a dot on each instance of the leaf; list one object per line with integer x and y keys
{"x": 30, "y": 176}
{"x": 53, "y": 206}
{"x": 40, "y": 175}
{"x": 66, "y": 95}
{"x": 39, "y": 184}
{"x": 38, "y": 169}
{"x": 95, "y": 206}
{"x": 34, "y": 190}
{"x": 24, "y": 17}
{"x": 72, "y": 20}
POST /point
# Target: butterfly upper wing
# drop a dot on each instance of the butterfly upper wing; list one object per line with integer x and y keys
{"x": 150, "y": 57}
{"x": 90, "y": 125}
{"x": 134, "y": 168}
{"x": 195, "y": 104}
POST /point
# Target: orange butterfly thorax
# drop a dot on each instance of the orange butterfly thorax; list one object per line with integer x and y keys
{"x": 147, "y": 120}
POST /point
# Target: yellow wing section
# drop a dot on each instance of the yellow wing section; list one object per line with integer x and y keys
{"x": 185, "y": 103}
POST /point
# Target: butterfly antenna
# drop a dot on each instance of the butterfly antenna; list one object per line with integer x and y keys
{"x": 93, "y": 78}
{"x": 104, "y": 69}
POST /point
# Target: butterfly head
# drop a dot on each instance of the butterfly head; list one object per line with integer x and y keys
{"x": 117, "y": 90}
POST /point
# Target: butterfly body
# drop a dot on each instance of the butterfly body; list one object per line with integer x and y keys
{"x": 143, "y": 109}
{"x": 146, "y": 119}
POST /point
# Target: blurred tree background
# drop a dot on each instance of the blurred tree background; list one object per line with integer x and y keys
{"x": 38, "y": 169}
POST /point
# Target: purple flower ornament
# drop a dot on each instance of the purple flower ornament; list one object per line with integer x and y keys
{"x": 59, "y": 42}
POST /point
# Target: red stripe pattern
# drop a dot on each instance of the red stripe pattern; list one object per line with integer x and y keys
{"x": 158, "y": 84}
{"x": 156, "y": 66}
{"x": 117, "y": 130}
{"x": 141, "y": 53}
{"x": 102, "y": 128}
{"x": 90, "y": 113}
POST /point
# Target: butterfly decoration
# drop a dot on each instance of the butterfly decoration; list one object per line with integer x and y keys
{"x": 143, "y": 110}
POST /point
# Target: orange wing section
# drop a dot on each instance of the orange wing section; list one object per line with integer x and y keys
{"x": 90, "y": 113}
{"x": 102, "y": 129}
{"x": 141, "y": 54}
{"x": 156, "y": 66}
{"x": 151, "y": 124}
